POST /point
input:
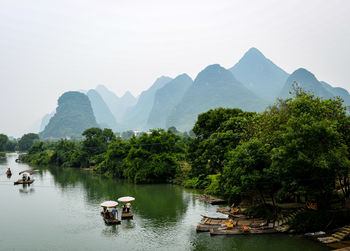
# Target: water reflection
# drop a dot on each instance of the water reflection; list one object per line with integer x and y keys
{"x": 26, "y": 189}
{"x": 160, "y": 203}
{"x": 110, "y": 231}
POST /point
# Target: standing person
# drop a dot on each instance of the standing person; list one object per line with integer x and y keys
{"x": 128, "y": 207}
{"x": 115, "y": 213}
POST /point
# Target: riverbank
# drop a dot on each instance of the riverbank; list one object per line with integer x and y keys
{"x": 165, "y": 216}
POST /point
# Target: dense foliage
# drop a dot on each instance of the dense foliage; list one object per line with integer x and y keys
{"x": 3, "y": 142}
{"x": 150, "y": 158}
{"x": 27, "y": 141}
{"x": 297, "y": 150}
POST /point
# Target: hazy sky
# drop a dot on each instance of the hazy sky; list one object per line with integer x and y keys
{"x": 49, "y": 47}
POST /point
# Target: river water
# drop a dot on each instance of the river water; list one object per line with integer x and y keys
{"x": 60, "y": 211}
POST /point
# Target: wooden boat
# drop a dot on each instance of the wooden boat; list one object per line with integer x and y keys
{"x": 211, "y": 200}
{"x": 126, "y": 215}
{"x": 208, "y": 223}
{"x": 20, "y": 181}
{"x": 241, "y": 231}
{"x": 111, "y": 221}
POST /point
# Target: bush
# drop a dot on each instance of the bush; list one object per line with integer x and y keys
{"x": 312, "y": 221}
{"x": 200, "y": 182}
{"x": 265, "y": 211}
{"x": 214, "y": 186}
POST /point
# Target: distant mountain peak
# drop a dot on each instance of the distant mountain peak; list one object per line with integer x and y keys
{"x": 101, "y": 87}
{"x": 254, "y": 52}
{"x": 183, "y": 76}
{"x": 128, "y": 94}
{"x": 259, "y": 74}
{"x": 303, "y": 72}
{"x": 214, "y": 72}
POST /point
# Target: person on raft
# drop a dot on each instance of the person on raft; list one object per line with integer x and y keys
{"x": 8, "y": 172}
{"x": 128, "y": 207}
{"x": 105, "y": 211}
{"x": 114, "y": 213}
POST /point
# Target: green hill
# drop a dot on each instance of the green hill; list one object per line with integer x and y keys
{"x": 213, "y": 87}
{"x": 166, "y": 98}
{"x": 260, "y": 75}
{"x": 307, "y": 81}
{"x": 103, "y": 115}
{"x": 118, "y": 106}
{"x": 136, "y": 116}
{"x": 73, "y": 115}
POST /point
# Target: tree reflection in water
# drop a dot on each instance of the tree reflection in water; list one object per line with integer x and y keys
{"x": 159, "y": 203}
{"x": 26, "y": 189}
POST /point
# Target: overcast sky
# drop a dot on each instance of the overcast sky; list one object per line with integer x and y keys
{"x": 49, "y": 47}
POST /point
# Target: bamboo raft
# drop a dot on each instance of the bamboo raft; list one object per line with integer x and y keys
{"x": 241, "y": 231}
{"x": 211, "y": 200}
{"x": 20, "y": 181}
{"x": 241, "y": 224}
{"x": 126, "y": 215}
{"x": 111, "y": 221}
{"x": 208, "y": 223}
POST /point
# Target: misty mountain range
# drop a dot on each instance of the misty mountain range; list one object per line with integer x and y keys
{"x": 252, "y": 84}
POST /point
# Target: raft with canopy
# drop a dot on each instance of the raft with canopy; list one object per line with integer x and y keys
{"x": 26, "y": 179}
{"x": 126, "y": 212}
{"x": 108, "y": 217}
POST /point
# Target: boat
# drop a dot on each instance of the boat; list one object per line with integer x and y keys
{"x": 110, "y": 219}
{"x": 241, "y": 231}
{"x": 208, "y": 223}
{"x": 20, "y": 181}
{"x": 210, "y": 199}
{"x": 127, "y": 215}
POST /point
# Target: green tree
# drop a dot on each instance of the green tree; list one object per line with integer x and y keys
{"x": 27, "y": 141}
{"x": 248, "y": 172}
{"x": 310, "y": 150}
{"x": 218, "y": 132}
{"x": 3, "y": 142}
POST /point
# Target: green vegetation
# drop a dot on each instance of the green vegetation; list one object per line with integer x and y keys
{"x": 312, "y": 221}
{"x": 213, "y": 87}
{"x": 27, "y": 141}
{"x": 3, "y": 142}
{"x": 7, "y": 145}
{"x": 296, "y": 150}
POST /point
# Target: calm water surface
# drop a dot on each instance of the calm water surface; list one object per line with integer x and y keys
{"x": 60, "y": 211}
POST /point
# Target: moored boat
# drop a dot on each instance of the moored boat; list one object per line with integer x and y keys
{"x": 241, "y": 231}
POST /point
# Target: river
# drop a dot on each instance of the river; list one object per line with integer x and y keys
{"x": 60, "y": 211}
